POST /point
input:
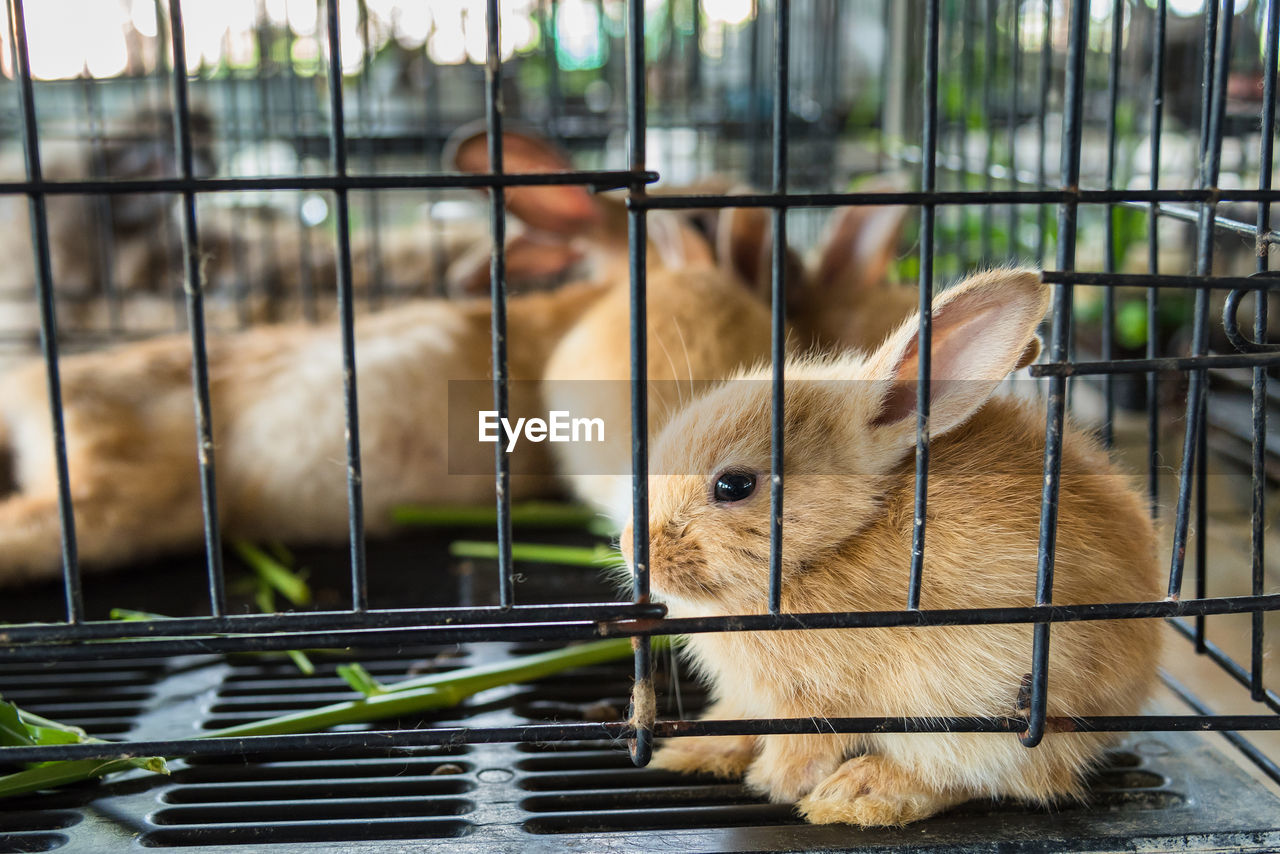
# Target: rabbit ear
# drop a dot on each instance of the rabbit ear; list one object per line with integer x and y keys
{"x": 744, "y": 242}
{"x": 677, "y": 243}
{"x": 982, "y": 330}
{"x": 860, "y": 244}
{"x": 559, "y": 209}
{"x": 531, "y": 258}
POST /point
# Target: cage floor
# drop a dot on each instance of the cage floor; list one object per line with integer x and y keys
{"x": 1159, "y": 792}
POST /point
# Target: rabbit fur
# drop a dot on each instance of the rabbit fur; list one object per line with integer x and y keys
{"x": 847, "y": 534}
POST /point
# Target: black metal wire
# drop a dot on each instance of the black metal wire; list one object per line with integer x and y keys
{"x": 493, "y": 109}
{"x": 1213, "y": 105}
{"x": 1258, "y": 469}
{"x": 48, "y": 318}
{"x": 1042, "y": 167}
{"x": 1109, "y": 235}
{"x": 193, "y": 285}
{"x": 778, "y": 344}
{"x": 924, "y": 345}
{"x": 78, "y": 640}
{"x": 346, "y": 318}
{"x": 637, "y": 238}
{"x": 589, "y": 626}
{"x": 617, "y": 731}
{"x": 1059, "y": 337}
{"x": 1153, "y": 257}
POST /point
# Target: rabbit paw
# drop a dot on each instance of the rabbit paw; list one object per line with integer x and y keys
{"x": 789, "y": 766}
{"x": 872, "y": 791}
{"x": 723, "y": 756}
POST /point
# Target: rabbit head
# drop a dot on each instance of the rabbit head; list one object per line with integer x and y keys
{"x": 850, "y": 427}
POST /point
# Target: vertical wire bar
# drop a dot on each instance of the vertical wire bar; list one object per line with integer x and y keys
{"x": 550, "y": 53}
{"x": 267, "y": 70}
{"x": 1259, "y": 472}
{"x": 1015, "y": 74}
{"x": 1109, "y": 233}
{"x": 1042, "y": 166}
{"x": 1200, "y": 464}
{"x": 1201, "y": 470}
{"x": 637, "y": 240}
{"x": 1072, "y": 117}
{"x": 306, "y": 268}
{"x": 194, "y": 287}
{"x": 48, "y": 319}
{"x": 969, "y": 71}
{"x": 928, "y": 183}
{"x": 346, "y": 316}
{"x": 781, "y": 108}
{"x": 988, "y": 116}
{"x": 374, "y": 297}
{"x": 1153, "y": 260}
{"x": 102, "y": 204}
{"x": 239, "y": 247}
{"x": 493, "y": 109}
{"x": 1214, "y": 102}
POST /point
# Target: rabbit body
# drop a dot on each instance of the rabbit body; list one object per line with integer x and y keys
{"x": 847, "y": 534}
{"x": 278, "y": 426}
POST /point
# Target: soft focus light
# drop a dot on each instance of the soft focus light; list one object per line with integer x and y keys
{"x": 1186, "y": 8}
{"x": 96, "y": 42}
{"x": 302, "y": 17}
{"x": 314, "y": 210}
{"x": 412, "y": 25}
{"x": 142, "y": 15}
{"x": 578, "y": 43}
{"x": 446, "y": 47}
{"x": 731, "y": 12}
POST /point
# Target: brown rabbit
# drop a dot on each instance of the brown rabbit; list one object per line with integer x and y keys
{"x": 851, "y": 426}
{"x": 277, "y": 414}
{"x": 848, "y": 298}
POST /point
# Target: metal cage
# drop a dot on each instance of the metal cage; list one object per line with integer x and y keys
{"x": 965, "y": 169}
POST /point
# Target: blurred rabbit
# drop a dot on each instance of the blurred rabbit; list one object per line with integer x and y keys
{"x": 277, "y": 415}
{"x": 851, "y": 426}
{"x": 140, "y": 146}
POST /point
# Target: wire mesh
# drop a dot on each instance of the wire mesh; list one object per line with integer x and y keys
{"x": 969, "y": 168}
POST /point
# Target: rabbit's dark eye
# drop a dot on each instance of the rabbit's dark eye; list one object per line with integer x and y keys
{"x": 734, "y": 486}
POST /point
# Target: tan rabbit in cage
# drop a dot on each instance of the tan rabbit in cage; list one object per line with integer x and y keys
{"x": 277, "y": 412}
{"x": 851, "y": 425}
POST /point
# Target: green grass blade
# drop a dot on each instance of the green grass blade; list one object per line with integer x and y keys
{"x": 596, "y": 556}
{"x": 524, "y": 514}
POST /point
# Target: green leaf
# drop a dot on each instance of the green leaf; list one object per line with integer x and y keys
{"x": 280, "y": 578}
{"x": 130, "y": 616}
{"x": 13, "y": 732}
{"x": 301, "y": 661}
{"x": 360, "y": 679}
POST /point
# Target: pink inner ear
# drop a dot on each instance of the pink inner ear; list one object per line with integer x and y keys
{"x": 965, "y": 347}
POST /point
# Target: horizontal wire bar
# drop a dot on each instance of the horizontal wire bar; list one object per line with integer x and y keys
{"x": 589, "y": 629}
{"x": 1166, "y": 363}
{"x": 1146, "y": 280}
{"x": 602, "y": 179}
{"x": 948, "y": 197}
{"x": 322, "y": 621}
{"x": 618, "y": 731}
